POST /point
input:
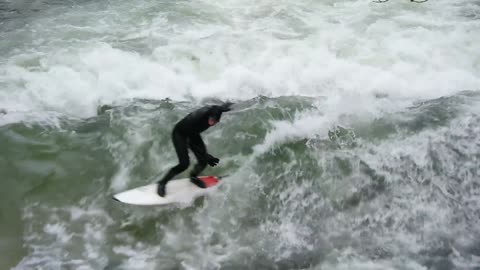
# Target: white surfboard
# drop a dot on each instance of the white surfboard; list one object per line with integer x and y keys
{"x": 176, "y": 191}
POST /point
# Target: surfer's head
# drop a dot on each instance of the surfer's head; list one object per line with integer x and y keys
{"x": 216, "y": 113}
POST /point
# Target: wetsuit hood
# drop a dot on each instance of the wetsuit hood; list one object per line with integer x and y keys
{"x": 197, "y": 121}
{"x": 217, "y": 110}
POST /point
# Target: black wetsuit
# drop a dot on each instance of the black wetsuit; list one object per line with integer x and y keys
{"x": 186, "y": 134}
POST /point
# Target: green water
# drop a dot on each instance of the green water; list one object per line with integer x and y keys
{"x": 277, "y": 208}
{"x": 353, "y": 144}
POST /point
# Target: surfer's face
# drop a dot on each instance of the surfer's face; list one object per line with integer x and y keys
{"x": 212, "y": 121}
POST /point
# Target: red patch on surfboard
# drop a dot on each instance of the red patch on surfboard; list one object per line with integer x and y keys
{"x": 209, "y": 181}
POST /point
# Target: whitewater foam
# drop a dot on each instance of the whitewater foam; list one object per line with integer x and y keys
{"x": 367, "y": 50}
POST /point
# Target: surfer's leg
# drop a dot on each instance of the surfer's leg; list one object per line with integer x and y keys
{"x": 181, "y": 147}
{"x": 200, "y": 151}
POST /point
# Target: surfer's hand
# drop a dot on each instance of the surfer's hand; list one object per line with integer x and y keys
{"x": 212, "y": 161}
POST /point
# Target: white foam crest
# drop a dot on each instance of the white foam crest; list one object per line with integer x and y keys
{"x": 77, "y": 83}
{"x": 353, "y": 48}
{"x": 314, "y": 123}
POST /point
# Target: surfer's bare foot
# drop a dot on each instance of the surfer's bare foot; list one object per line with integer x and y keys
{"x": 161, "y": 189}
{"x": 199, "y": 183}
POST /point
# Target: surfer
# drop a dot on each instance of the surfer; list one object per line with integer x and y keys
{"x": 186, "y": 134}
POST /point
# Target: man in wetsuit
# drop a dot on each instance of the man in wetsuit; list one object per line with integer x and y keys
{"x": 186, "y": 134}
